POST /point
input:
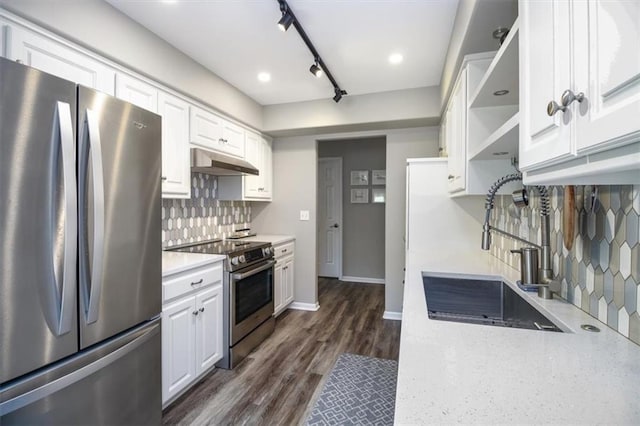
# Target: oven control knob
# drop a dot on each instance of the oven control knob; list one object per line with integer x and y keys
{"x": 242, "y": 259}
{"x": 234, "y": 260}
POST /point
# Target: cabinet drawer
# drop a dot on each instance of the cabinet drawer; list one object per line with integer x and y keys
{"x": 194, "y": 279}
{"x": 284, "y": 249}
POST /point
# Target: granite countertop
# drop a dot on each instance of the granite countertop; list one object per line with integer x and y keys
{"x": 464, "y": 373}
{"x": 174, "y": 262}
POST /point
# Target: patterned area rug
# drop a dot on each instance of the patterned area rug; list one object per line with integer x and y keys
{"x": 359, "y": 391}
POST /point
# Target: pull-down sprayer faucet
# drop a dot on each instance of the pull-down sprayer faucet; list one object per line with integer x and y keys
{"x": 546, "y": 270}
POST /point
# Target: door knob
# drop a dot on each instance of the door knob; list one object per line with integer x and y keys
{"x": 553, "y": 108}
{"x": 568, "y": 97}
{"x": 335, "y": 225}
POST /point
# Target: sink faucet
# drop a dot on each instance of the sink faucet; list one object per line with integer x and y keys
{"x": 546, "y": 270}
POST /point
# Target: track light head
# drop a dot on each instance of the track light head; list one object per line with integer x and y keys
{"x": 285, "y": 22}
{"x": 316, "y": 70}
{"x": 338, "y": 94}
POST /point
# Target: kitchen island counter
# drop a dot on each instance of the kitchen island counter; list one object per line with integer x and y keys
{"x": 466, "y": 373}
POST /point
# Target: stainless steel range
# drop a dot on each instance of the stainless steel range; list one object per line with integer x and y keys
{"x": 248, "y": 294}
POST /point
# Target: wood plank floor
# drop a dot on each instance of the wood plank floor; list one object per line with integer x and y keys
{"x": 280, "y": 380}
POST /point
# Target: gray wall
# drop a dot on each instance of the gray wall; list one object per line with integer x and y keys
{"x": 100, "y": 27}
{"x": 294, "y": 189}
{"x": 362, "y": 224}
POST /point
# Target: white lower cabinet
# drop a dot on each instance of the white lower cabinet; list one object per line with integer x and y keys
{"x": 191, "y": 327}
{"x": 283, "y": 277}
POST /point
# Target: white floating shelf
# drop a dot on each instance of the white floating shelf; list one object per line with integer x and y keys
{"x": 504, "y": 141}
{"x": 502, "y": 74}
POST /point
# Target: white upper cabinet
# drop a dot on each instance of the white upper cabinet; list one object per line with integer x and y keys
{"x": 580, "y": 91}
{"x": 137, "y": 92}
{"x": 55, "y": 58}
{"x": 544, "y": 75}
{"x": 212, "y": 132}
{"x": 176, "y": 166}
{"x": 607, "y": 64}
{"x": 456, "y": 125}
{"x": 258, "y": 153}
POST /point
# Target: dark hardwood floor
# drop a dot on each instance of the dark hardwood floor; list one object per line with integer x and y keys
{"x": 279, "y": 381}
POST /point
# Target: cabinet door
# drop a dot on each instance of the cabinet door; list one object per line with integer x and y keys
{"x": 137, "y": 92}
{"x": 607, "y": 71}
{"x": 208, "y": 329}
{"x": 253, "y": 154}
{"x": 456, "y": 122}
{"x": 278, "y": 290}
{"x": 176, "y": 166}
{"x": 178, "y": 356}
{"x": 205, "y": 129}
{"x": 47, "y": 55}
{"x": 288, "y": 271}
{"x": 545, "y": 68}
{"x": 267, "y": 169}
{"x": 232, "y": 139}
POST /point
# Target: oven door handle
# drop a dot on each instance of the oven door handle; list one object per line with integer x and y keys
{"x": 238, "y": 277}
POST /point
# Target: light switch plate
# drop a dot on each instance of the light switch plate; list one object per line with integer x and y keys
{"x": 304, "y": 214}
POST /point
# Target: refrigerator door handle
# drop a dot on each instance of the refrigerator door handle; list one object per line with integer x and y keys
{"x": 91, "y": 276}
{"x": 68, "y": 293}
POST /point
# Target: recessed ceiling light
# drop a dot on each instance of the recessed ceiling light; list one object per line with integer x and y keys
{"x": 169, "y": 1}
{"x": 395, "y": 58}
{"x": 264, "y": 77}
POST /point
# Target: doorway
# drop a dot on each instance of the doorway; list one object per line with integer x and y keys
{"x": 351, "y": 209}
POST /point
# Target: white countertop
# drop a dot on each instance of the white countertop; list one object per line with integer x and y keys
{"x": 174, "y": 261}
{"x": 271, "y": 238}
{"x": 464, "y": 373}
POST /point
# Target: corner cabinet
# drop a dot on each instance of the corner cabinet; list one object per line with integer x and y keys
{"x": 284, "y": 276}
{"x": 580, "y": 92}
{"x": 191, "y": 327}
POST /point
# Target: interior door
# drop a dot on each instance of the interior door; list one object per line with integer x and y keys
{"x": 37, "y": 219}
{"x": 119, "y": 148}
{"x": 607, "y": 56}
{"x": 330, "y": 217}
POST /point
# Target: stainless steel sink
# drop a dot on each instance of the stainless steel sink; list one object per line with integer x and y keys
{"x": 481, "y": 301}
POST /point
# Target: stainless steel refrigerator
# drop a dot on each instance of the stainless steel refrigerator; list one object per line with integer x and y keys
{"x": 80, "y": 257}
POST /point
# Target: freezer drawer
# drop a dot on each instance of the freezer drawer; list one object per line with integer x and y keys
{"x": 117, "y": 382}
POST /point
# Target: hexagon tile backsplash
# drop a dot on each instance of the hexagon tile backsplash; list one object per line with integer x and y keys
{"x": 601, "y": 272}
{"x": 202, "y": 217}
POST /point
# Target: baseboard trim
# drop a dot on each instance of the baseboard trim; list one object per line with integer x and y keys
{"x": 299, "y": 306}
{"x": 364, "y": 280}
{"x": 391, "y": 315}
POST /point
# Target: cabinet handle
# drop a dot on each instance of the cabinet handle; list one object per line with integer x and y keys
{"x": 195, "y": 312}
{"x": 284, "y": 250}
{"x": 568, "y": 97}
{"x": 553, "y": 108}
{"x": 201, "y": 309}
{"x": 450, "y": 177}
{"x": 163, "y": 178}
{"x": 198, "y": 282}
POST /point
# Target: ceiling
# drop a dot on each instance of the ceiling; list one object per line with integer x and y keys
{"x": 236, "y": 40}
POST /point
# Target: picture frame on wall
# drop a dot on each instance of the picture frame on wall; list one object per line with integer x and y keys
{"x": 359, "y": 195}
{"x": 359, "y": 177}
{"x": 378, "y": 195}
{"x": 378, "y": 177}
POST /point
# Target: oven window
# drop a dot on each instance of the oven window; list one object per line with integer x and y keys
{"x": 252, "y": 293}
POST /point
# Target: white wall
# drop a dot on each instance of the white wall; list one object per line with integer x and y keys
{"x": 100, "y": 27}
{"x": 295, "y": 188}
{"x": 405, "y": 108}
{"x": 401, "y": 144}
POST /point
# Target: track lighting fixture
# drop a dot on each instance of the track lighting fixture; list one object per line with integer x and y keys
{"x": 316, "y": 70}
{"x": 319, "y": 67}
{"x": 285, "y": 22}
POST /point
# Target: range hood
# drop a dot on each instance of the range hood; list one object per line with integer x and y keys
{"x": 214, "y": 163}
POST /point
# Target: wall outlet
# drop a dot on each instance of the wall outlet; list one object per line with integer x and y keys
{"x": 304, "y": 214}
